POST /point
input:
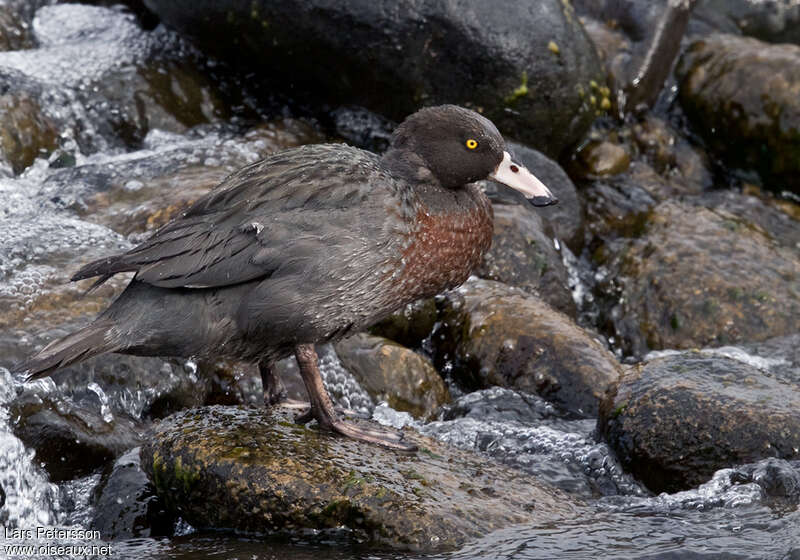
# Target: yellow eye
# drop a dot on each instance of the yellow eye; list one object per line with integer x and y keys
{"x": 472, "y": 144}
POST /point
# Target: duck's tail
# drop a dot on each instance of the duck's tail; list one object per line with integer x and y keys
{"x": 73, "y": 348}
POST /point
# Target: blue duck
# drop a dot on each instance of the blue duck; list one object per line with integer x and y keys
{"x": 309, "y": 245}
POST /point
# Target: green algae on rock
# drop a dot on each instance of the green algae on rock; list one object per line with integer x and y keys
{"x": 254, "y": 470}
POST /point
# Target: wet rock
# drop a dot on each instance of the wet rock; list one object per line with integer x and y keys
{"x": 635, "y": 17}
{"x": 604, "y": 158}
{"x": 500, "y": 404}
{"x": 498, "y": 335}
{"x": 780, "y": 219}
{"x": 696, "y": 277}
{"x": 613, "y": 47}
{"x": 25, "y": 133}
{"x": 776, "y": 21}
{"x": 620, "y": 206}
{"x": 777, "y": 478}
{"x": 523, "y": 255}
{"x": 141, "y": 191}
{"x": 675, "y": 420}
{"x": 70, "y": 441}
{"x": 671, "y": 155}
{"x": 565, "y": 219}
{"x": 779, "y": 356}
{"x": 254, "y": 470}
{"x": 405, "y": 380}
{"x": 362, "y": 128}
{"x": 742, "y": 96}
{"x": 233, "y": 383}
{"x": 106, "y": 82}
{"x": 126, "y": 505}
{"x": 136, "y": 387}
{"x": 526, "y": 68}
{"x": 15, "y": 20}
{"x": 411, "y": 325}
{"x": 166, "y": 95}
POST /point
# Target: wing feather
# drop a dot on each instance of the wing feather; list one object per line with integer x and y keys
{"x": 275, "y": 213}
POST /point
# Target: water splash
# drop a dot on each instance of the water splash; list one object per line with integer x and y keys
{"x": 105, "y": 409}
{"x": 31, "y": 500}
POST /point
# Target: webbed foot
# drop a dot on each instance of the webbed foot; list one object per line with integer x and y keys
{"x": 323, "y": 412}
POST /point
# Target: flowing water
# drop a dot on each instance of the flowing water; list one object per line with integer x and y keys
{"x": 47, "y": 224}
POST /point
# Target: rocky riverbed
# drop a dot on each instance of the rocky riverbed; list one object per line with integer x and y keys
{"x": 619, "y": 377}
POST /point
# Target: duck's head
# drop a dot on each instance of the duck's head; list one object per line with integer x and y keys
{"x": 458, "y": 146}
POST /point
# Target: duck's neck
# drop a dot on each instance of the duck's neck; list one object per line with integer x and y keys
{"x": 408, "y": 165}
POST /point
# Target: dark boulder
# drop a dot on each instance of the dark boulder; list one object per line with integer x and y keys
{"x": 696, "y": 277}
{"x": 126, "y": 505}
{"x": 70, "y": 440}
{"x": 675, "y": 420}
{"x": 527, "y": 66}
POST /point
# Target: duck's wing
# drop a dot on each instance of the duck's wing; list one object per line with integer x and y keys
{"x": 274, "y": 214}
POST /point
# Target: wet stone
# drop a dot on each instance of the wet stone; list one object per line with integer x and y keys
{"x": 523, "y": 255}
{"x": 675, "y": 420}
{"x": 25, "y": 132}
{"x": 141, "y": 191}
{"x": 671, "y": 155}
{"x": 106, "y": 82}
{"x": 780, "y": 219}
{"x": 621, "y": 205}
{"x": 697, "y": 277}
{"x": 15, "y": 24}
{"x": 775, "y": 21}
{"x": 409, "y": 326}
{"x": 405, "y": 380}
{"x": 742, "y": 96}
{"x": 255, "y": 470}
{"x": 126, "y": 505}
{"x": 372, "y": 55}
{"x": 604, "y": 158}
{"x": 779, "y": 479}
{"x": 500, "y": 404}
{"x": 362, "y": 128}
{"x": 529, "y": 434}
{"x": 70, "y": 441}
{"x": 493, "y": 334}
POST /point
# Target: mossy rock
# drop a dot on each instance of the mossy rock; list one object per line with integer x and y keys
{"x": 254, "y": 470}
